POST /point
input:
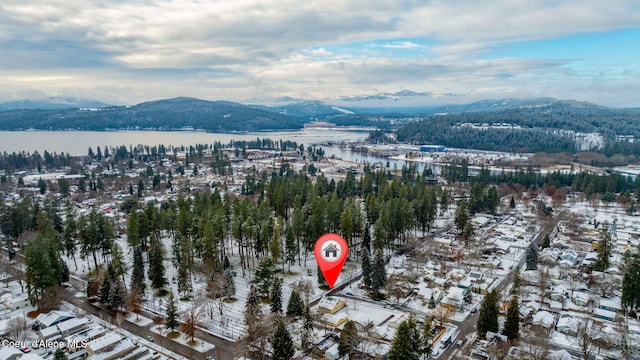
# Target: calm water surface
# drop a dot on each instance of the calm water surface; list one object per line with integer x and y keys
{"x": 78, "y": 142}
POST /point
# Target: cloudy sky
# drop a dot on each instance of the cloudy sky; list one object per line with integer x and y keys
{"x": 128, "y": 51}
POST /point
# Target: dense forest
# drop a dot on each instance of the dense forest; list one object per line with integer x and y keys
{"x": 214, "y": 116}
{"x": 543, "y": 129}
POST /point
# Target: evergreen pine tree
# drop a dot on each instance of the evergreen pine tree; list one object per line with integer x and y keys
{"x": 512, "y": 202}
{"x": 59, "y": 354}
{"x": 349, "y": 340}
{"x": 137, "y": 272}
{"x": 462, "y": 215}
{"x": 493, "y": 200}
{"x": 291, "y": 248}
{"x": 532, "y": 257}
{"x": 105, "y": 289}
{"x": 467, "y": 296}
{"x": 64, "y": 276}
{"x": 512, "y": 325}
{"x": 366, "y": 268}
{"x": 631, "y": 284}
{"x": 140, "y": 188}
{"x": 427, "y": 337}
{"x": 171, "y": 321}
{"x": 263, "y": 276}
{"x": 488, "y": 317}
{"x": 156, "y": 267}
{"x": 407, "y": 344}
{"x": 295, "y": 307}
{"x": 184, "y": 280}
{"x": 282, "y": 343}
{"x": 604, "y": 250}
{"x": 133, "y": 237}
{"x": 378, "y": 274}
{"x": 321, "y": 279}
{"x": 117, "y": 261}
{"x": 517, "y": 281}
{"x": 229, "y": 284}
{"x": 366, "y": 239}
{"x": 252, "y": 309}
{"x": 276, "y": 296}
{"x": 117, "y": 294}
{"x": 546, "y": 241}
{"x": 432, "y": 302}
{"x": 307, "y": 327}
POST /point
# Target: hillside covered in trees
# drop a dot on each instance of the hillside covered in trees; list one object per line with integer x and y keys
{"x": 543, "y": 127}
{"x": 213, "y": 116}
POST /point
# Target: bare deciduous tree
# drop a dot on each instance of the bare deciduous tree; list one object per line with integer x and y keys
{"x": 442, "y": 313}
{"x": 134, "y": 303}
{"x": 500, "y": 350}
{"x": 190, "y": 321}
{"x": 51, "y": 298}
{"x": 216, "y": 290}
{"x": 586, "y": 335}
{"x": 537, "y": 342}
{"x": 17, "y": 328}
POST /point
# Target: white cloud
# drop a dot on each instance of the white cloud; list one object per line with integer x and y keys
{"x": 236, "y": 49}
{"x": 400, "y": 45}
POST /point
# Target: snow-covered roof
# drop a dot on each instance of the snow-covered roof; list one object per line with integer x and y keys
{"x": 122, "y": 347}
{"x": 10, "y": 352}
{"x": 611, "y": 304}
{"x": 53, "y": 317}
{"x": 544, "y": 318}
{"x": 103, "y": 342}
{"x": 555, "y": 305}
{"x": 560, "y": 355}
{"x": 330, "y": 304}
{"x": 72, "y": 324}
{"x": 604, "y": 314}
{"x": 567, "y": 323}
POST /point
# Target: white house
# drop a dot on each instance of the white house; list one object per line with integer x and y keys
{"x": 567, "y": 324}
{"x": 580, "y": 298}
{"x": 53, "y": 317}
{"x": 614, "y": 305}
{"x": 544, "y": 319}
{"x": 15, "y": 301}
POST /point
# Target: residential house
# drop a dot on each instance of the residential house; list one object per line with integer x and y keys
{"x": 544, "y": 319}
{"x": 51, "y": 318}
{"x": 614, "y": 305}
{"x": 64, "y": 328}
{"x": 330, "y": 305}
{"x": 454, "y": 298}
{"x": 604, "y": 314}
{"x": 15, "y": 301}
{"x": 567, "y": 324}
{"x": 580, "y": 298}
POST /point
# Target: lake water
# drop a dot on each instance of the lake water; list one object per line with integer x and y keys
{"x": 78, "y": 142}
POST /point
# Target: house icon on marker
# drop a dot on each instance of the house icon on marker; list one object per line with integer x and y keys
{"x": 330, "y": 251}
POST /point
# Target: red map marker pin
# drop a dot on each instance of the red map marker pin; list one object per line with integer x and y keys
{"x": 331, "y": 252}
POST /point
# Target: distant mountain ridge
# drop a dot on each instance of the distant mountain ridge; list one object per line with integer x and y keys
{"x": 52, "y": 103}
{"x": 226, "y": 116}
{"x": 169, "y": 114}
